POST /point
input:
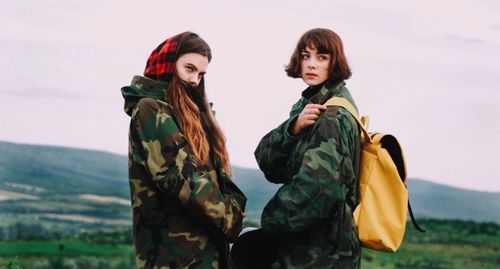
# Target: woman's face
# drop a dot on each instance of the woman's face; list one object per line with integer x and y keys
{"x": 314, "y": 66}
{"x": 191, "y": 67}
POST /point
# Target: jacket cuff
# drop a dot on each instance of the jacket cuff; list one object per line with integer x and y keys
{"x": 289, "y": 139}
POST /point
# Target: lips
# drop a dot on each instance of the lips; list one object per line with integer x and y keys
{"x": 312, "y": 75}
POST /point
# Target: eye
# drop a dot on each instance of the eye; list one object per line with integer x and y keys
{"x": 189, "y": 68}
{"x": 304, "y": 56}
{"x": 323, "y": 57}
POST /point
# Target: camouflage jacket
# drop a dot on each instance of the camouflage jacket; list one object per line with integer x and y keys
{"x": 312, "y": 212}
{"x": 184, "y": 213}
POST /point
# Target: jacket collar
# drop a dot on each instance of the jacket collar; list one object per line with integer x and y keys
{"x": 327, "y": 90}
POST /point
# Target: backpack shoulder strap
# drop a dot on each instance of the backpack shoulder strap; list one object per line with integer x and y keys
{"x": 342, "y": 102}
{"x": 413, "y": 220}
{"x": 362, "y": 122}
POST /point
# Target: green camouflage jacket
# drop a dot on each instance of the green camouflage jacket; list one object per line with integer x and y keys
{"x": 312, "y": 212}
{"x": 184, "y": 213}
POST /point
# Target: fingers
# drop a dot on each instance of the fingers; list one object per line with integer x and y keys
{"x": 307, "y": 117}
{"x": 311, "y": 116}
{"x": 317, "y": 106}
{"x": 313, "y": 109}
{"x": 307, "y": 123}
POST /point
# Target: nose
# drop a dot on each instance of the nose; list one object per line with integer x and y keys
{"x": 311, "y": 63}
{"x": 194, "y": 80}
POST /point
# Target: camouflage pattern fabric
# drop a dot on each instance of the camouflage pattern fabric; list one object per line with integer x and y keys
{"x": 184, "y": 213}
{"x": 312, "y": 212}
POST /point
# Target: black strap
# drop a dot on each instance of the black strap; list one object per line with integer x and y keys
{"x": 413, "y": 219}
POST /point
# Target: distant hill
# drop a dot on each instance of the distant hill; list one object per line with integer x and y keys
{"x": 428, "y": 199}
{"x": 64, "y": 170}
{"x": 439, "y": 201}
{"x": 57, "y": 185}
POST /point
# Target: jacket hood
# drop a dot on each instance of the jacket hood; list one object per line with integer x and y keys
{"x": 142, "y": 87}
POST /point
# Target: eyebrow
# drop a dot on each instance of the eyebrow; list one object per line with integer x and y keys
{"x": 192, "y": 66}
{"x": 317, "y": 53}
{"x": 195, "y": 68}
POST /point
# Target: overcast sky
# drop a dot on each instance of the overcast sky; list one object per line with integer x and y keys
{"x": 427, "y": 72}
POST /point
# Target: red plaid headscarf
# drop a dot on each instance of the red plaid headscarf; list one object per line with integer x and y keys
{"x": 161, "y": 62}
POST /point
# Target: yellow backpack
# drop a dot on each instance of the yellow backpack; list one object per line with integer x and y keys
{"x": 383, "y": 198}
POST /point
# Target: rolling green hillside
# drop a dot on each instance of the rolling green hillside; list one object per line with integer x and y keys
{"x": 45, "y": 189}
{"x": 63, "y": 170}
{"x": 433, "y": 200}
{"x": 69, "y": 208}
{"x": 48, "y": 183}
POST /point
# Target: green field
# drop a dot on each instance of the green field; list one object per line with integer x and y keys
{"x": 447, "y": 244}
{"x": 66, "y": 254}
{"x": 67, "y": 248}
{"x": 48, "y": 221}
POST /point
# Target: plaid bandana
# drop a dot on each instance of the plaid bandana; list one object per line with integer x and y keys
{"x": 161, "y": 62}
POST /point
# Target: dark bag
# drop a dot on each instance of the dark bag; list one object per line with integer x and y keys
{"x": 255, "y": 249}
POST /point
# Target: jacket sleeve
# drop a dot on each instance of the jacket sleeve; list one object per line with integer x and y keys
{"x": 273, "y": 152}
{"x": 275, "y": 147}
{"x": 168, "y": 158}
{"x": 319, "y": 189}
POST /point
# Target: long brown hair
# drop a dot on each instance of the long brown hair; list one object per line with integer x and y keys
{"x": 193, "y": 113}
{"x": 325, "y": 41}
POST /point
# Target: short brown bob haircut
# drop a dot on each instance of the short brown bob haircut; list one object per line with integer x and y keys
{"x": 325, "y": 41}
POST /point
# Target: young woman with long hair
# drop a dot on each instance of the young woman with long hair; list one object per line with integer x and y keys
{"x": 186, "y": 209}
{"x": 315, "y": 155}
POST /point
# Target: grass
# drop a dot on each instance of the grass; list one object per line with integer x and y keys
{"x": 447, "y": 244}
{"x": 65, "y": 248}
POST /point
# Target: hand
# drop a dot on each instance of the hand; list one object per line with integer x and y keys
{"x": 307, "y": 117}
